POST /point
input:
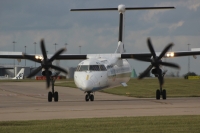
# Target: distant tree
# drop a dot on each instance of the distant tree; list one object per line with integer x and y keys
{"x": 189, "y": 74}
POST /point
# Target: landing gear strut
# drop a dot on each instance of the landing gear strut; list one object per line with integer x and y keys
{"x": 161, "y": 92}
{"x": 53, "y": 94}
{"x": 89, "y": 96}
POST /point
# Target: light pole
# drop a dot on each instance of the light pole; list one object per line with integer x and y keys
{"x": 25, "y": 53}
{"x": 35, "y": 51}
{"x": 80, "y": 50}
{"x": 55, "y": 46}
{"x": 66, "y": 46}
{"x": 188, "y": 58}
{"x": 14, "y": 59}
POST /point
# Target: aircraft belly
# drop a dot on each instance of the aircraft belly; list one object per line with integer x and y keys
{"x": 118, "y": 79}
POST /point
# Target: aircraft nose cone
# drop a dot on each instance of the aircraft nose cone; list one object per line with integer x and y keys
{"x": 87, "y": 86}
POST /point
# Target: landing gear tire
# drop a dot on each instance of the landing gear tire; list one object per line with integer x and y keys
{"x": 87, "y": 98}
{"x": 91, "y": 97}
{"x": 50, "y": 95}
{"x": 56, "y": 96}
{"x": 164, "y": 94}
{"x": 158, "y": 94}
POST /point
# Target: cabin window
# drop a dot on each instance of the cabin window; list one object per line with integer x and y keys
{"x": 83, "y": 68}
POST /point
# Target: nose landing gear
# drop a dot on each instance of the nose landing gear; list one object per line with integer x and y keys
{"x": 89, "y": 96}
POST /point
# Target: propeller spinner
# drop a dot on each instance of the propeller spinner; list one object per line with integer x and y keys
{"x": 46, "y": 63}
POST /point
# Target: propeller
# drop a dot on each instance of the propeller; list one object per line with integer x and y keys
{"x": 156, "y": 61}
{"x": 46, "y": 63}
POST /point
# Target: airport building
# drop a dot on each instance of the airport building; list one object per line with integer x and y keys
{"x": 10, "y": 71}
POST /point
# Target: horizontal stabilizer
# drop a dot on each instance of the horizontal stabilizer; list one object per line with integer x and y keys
{"x": 127, "y": 8}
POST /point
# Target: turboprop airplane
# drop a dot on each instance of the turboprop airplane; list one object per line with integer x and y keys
{"x": 100, "y": 71}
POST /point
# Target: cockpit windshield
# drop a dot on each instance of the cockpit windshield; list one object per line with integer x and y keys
{"x": 94, "y": 68}
{"x": 91, "y": 68}
{"x": 83, "y": 68}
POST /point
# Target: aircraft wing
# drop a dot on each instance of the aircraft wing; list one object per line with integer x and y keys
{"x": 12, "y": 55}
{"x": 20, "y": 55}
{"x": 167, "y": 55}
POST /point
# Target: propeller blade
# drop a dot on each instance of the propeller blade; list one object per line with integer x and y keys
{"x": 59, "y": 69}
{"x": 143, "y": 59}
{"x": 142, "y": 75}
{"x": 165, "y": 50}
{"x": 170, "y": 65}
{"x": 31, "y": 57}
{"x": 56, "y": 54}
{"x": 151, "y": 48}
{"x": 43, "y": 49}
{"x": 47, "y": 78}
{"x": 34, "y": 72}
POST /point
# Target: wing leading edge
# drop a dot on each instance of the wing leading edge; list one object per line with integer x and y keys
{"x": 20, "y": 55}
{"x": 148, "y": 55}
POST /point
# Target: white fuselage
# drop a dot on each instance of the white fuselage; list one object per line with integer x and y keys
{"x": 95, "y": 74}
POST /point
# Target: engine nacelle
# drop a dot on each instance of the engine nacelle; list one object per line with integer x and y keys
{"x": 44, "y": 74}
{"x": 156, "y": 72}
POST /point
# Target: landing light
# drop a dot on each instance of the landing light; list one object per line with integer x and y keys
{"x": 170, "y": 54}
{"x": 38, "y": 57}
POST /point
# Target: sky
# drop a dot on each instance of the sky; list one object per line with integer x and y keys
{"x": 27, "y": 21}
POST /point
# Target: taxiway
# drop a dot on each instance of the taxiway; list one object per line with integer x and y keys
{"x": 28, "y": 101}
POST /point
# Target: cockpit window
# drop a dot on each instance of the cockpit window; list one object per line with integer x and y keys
{"x": 97, "y": 68}
{"x": 78, "y": 67}
{"x": 91, "y": 68}
{"x": 94, "y": 68}
{"x": 83, "y": 68}
{"x": 102, "y": 67}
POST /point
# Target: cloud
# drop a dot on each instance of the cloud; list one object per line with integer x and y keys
{"x": 173, "y": 27}
{"x": 153, "y": 15}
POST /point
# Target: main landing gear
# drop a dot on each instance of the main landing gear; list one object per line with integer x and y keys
{"x": 89, "y": 96}
{"x": 53, "y": 94}
{"x": 162, "y": 93}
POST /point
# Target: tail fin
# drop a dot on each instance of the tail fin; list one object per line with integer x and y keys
{"x": 120, "y": 48}
{"x": 20, "y": 75}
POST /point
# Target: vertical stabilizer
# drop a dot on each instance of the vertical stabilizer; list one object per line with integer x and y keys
{"x": 120, "y": 47}
{"x": 20, "y": 75}
{"x": 121, "y": 9}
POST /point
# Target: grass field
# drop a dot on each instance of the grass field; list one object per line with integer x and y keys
{"x": 149, "y": 124}
{"x": 146, "y": 88}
